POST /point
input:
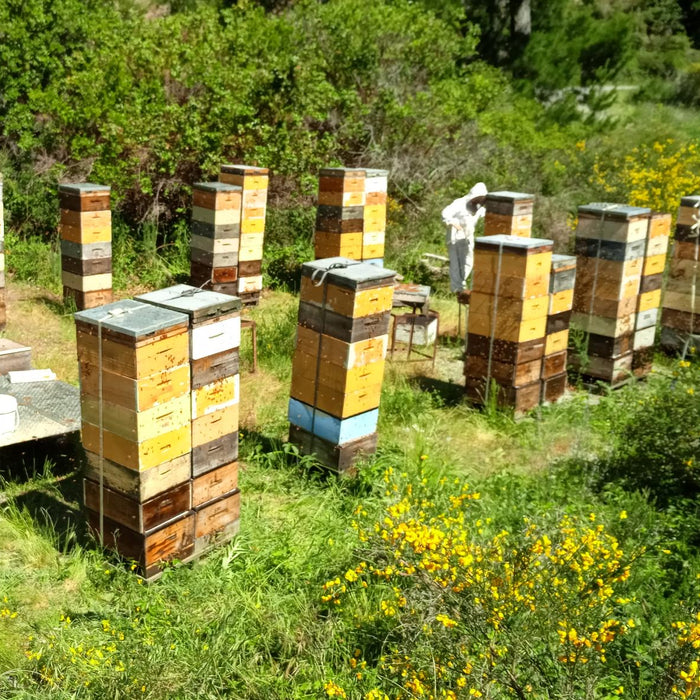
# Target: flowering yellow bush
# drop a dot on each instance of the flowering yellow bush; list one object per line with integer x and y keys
{"x": 655, "y": 176}
{"x": 470, "y": 610}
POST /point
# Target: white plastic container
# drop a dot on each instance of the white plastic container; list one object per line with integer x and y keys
{"x": 9, "y": 415}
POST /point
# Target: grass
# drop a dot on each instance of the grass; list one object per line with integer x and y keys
{"x": 247, "y": 621}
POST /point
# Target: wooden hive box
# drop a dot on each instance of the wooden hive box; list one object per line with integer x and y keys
{"x": 612, "y": 222}
{"x": 214, "y": 340}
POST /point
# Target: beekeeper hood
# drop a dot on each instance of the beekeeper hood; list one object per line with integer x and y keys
{"x": 478, "y": 191}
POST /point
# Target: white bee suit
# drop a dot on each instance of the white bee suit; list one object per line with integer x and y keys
{"x": 460, "y": 218}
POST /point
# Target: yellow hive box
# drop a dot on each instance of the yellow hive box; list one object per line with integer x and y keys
{"x": 560, "y": 302}
{"x": 331, "y": 245}
{"x": 163, "y": 352}
{"x": 341, "y": 184}
{"x": 590, "y": 268}
{"x": 512, "y": 265}
{"x": 649, "y": 300}
{"x": 337, "y": 403}
{"x": 215, "y": 396}
{"x": 78, "y": 234}
{"x": 507, "y": 327}
{"x": 520, "y": 225}
{"x": 87, "y": 220}
{"x": 137, "y": 425}
{"x": 313, "y": 369}
{"x": 556, "y": 342}
{"x": 138, "y": 455}
{"x": 511, "y": 287}
{"x": 135, "y": 394}
{"x": 372, "y": 252}
{"x": 524, "y": 310}
{"x": 654, "y": 264}
{"x": 215, "y": 425}
{"x": 659, "y": 225}
{"x": 375, "y": 198}
{"x": 348, "y": 302}
{"x": 338, "y": 353}
{"x": 256, "y": 225}
{"x": 247, "y": 182}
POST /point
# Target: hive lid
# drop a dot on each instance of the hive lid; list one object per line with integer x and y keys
{"x": 613, "y": 211}
{"x": 371, "y": 172}
{"x": 690, "y": 201}
{"x": 507, "y": 196}
{"x": 514, "y": 245}
{"x": 236, "y": 169}
{"x": 132, "y": 318}
{"x": 195, "y": 302}
{"x": 216, "y": 187}
{"x": 348, "y": 273}
{"x": 82, "y": 188}
{"x": 342, "y": 172}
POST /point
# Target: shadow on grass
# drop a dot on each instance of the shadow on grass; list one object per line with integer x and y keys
{"x": 450, "y": 393}
{"x": 57, "y": 305}
{"x": 46, "y": 480}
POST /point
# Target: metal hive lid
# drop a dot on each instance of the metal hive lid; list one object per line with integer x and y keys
{"x": 347, "y": 273}
{"x": 216, "y": 187}
{"x": 613, "y": 210}
{"x": 132, "y": 318}
{"x": 512, "y": 243}
{"x": 237, "y": 169}
{"x": 193, "y": 301}
{"x": 508, "y": 196}
{"x": 82, "y": 188}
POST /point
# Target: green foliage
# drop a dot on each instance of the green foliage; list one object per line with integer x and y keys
{"x": 657, "y": 441}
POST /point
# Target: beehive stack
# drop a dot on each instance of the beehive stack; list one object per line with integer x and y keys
{"x": 680, "y": 317}
{"x": 214, "y": 341}
{"x": 340, "y": 214}
{"x": 649, "y": 299}
{"x": 508, "y": 214}
{"x": 136, "y": 430}
{"x": 610, "y": 247}
{"x": 254, "y": 183}
{"x": 3, "y": 302}
{"x": 508, "y": 320}
{"x": 216, "y": 214}
{"x": 374, "y": 226}
{"x": 338, "y": 364}
{"x": 561, "y": 298}
{"x": 86, "y": 244}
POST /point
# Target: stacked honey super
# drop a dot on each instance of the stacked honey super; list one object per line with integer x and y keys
{"x": 374, "y": 227}
{"x": 253, "y": 182}
{"x": 147, "y": 493}
{"x": 340, "y": 215}
{"x": 508, "y": 213}
{"x": 508, "y": 320}
{"x": 3, "y": 302}
{"x": 135, "y": 406}
{"x": 562, "y": 280}
{"x": 610, "y": 248}
{"x": 649, "y": 299}
{"x": 86, "y": 244}
{"x": 680, "y": 317}
{"x": 338, "y": 363}
{"x": 214, "y": 342}
{"x": 216, "y": 214}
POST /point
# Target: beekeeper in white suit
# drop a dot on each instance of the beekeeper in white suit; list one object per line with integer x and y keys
{"x": 460, "y": 217}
